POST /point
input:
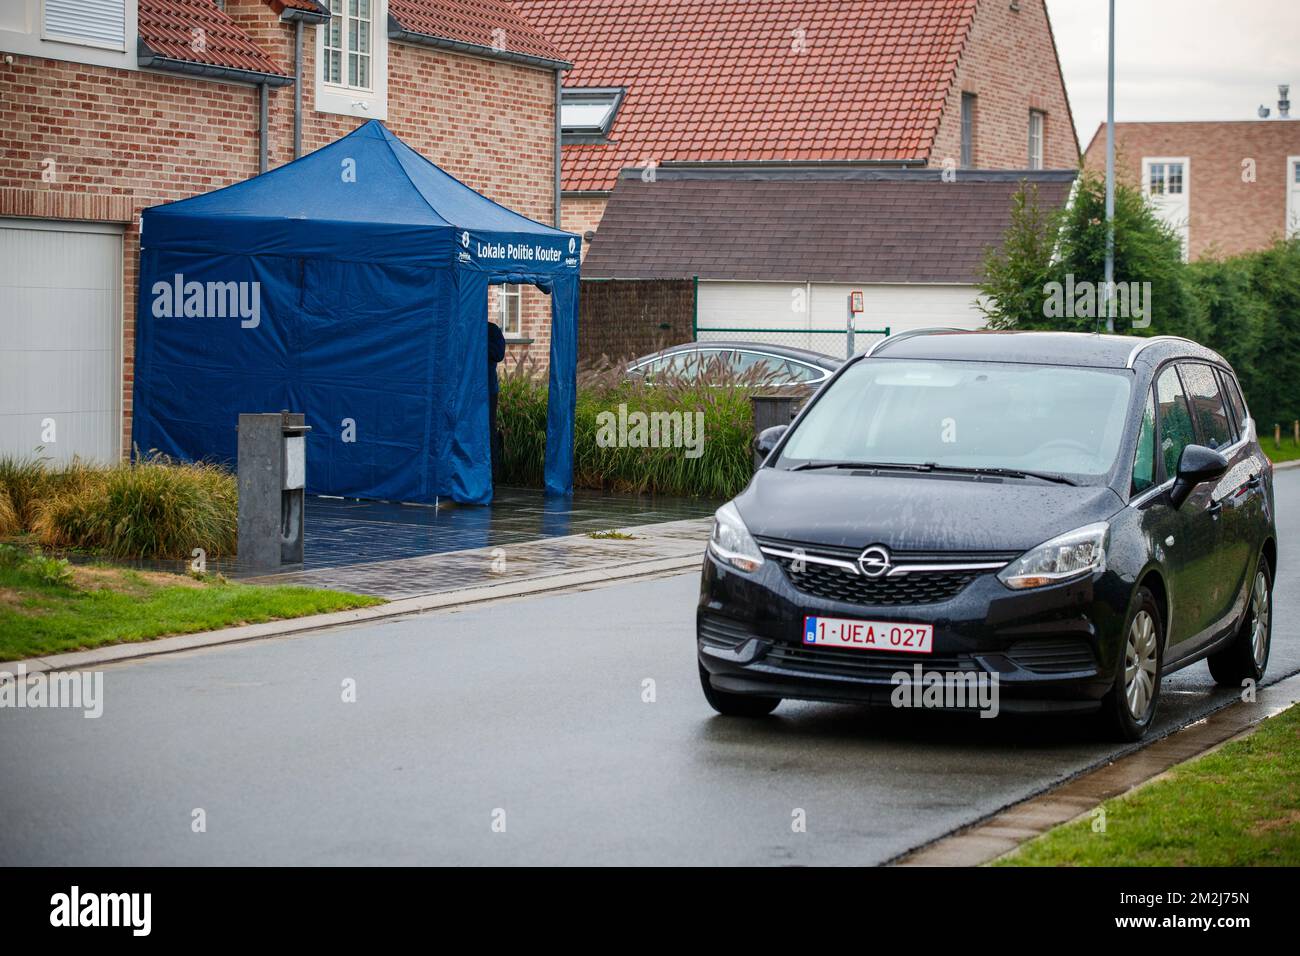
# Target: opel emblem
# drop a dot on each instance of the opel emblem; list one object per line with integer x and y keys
{"x": 874, "y": 562}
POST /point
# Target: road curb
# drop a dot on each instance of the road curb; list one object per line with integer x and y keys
{"x": 1283, "y": 466}
{"x": 1002, "y": 832}
{"x": 506, "y": 590}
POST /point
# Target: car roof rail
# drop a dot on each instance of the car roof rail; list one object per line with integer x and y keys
{"x": 909, "y": 334}
{"x": 1152, "y": 340}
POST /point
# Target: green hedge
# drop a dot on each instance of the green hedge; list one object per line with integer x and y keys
{"x": 720, "y": 471}
{"x": 1246, "y": 307}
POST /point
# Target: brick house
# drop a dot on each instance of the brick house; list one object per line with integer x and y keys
{"x": 975, "y": 83}
{"x": 110, "y": 106}
{"x": 754, "y": 87}
{"x": 1225, "y": 186}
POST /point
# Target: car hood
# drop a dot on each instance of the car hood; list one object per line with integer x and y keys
{"x": 908, "y": 512}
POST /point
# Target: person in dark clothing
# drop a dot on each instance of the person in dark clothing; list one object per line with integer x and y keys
{"x": 496, "y": 352}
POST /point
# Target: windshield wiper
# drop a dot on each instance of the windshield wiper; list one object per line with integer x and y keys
{"x": 930, "y": 466}
{"x": 864, "y": 465}
{"x": 1001, "y": 473}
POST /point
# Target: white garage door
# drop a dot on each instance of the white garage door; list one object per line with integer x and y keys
{"x": 60, "y": 339}
{"x": 814, "y": 316}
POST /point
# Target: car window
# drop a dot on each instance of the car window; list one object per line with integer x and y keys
{"x": 688, "y": 363}
{"x": 1212, "y": 422}
{"x": 1144, "y": 461}
{"x": 1173, "y": 419}
{"x": 1235, "y": 403}
{"x": 804, "y": 373}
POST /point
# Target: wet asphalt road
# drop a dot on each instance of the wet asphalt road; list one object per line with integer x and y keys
{"x": 529, "y": 712}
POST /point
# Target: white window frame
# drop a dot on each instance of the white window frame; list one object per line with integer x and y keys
{"x": 1292, "y": 226}
{"x": 91, "y": 41}
{"x": 505, "y": 294}
{"x": 370, "y": 102}
{"x": 1036, "y": 154}
{"x": 22, "y": 31}
{"x": 1166, "y": 162}
{"x": 1166, "y": 199}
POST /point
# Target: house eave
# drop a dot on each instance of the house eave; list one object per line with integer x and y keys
{"x": 146, "y": 57}
{"x": 400, "y": 34}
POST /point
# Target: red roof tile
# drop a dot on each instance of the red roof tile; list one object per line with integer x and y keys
{"x": 483, "y": 23}
{"x": 713, "y": 80}
{"x": 168, "y": 27}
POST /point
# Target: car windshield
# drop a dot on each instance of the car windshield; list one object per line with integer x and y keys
{"x": 1026, "y": 418}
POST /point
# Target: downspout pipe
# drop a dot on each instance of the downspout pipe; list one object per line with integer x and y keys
{"x": 297, "y": 88}
{"x": 261, "y": 128}
{"x": 559, "y": 76}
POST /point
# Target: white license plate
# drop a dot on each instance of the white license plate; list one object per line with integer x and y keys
{"x": 869, "y": 635}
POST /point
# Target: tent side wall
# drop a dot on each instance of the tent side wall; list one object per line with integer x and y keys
{"x": 359, "y": 347}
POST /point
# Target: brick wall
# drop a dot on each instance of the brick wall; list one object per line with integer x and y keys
{"x": 582, "y": 214}
{"x": 1009, "y": 63}
{"x": 623, "y": 320}
{"x": 1229, "y": 212}
{"x": 148, "y": 138}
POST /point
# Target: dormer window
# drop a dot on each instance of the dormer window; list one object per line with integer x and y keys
{"x": 588, "y": 113}
{"x": 352, "y": 59}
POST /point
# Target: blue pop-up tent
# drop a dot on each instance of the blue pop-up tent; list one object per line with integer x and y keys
{"x": 350, "y": 285}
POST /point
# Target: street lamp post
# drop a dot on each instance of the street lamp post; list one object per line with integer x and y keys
{"x": 1108, "y": 288}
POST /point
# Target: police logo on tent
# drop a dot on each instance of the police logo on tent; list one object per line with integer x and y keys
{"x": 464, "y": 239}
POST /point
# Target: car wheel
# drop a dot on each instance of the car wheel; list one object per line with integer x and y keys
{"x": 736, "y": 705}
{"x": 1129, "y": 707}
{"x": 1247, "y": 656}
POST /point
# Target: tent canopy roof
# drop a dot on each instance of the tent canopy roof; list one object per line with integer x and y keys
{"x": 369, "y": 181}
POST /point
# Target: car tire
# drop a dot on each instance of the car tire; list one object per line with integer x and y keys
{"x": 1246, "y": 657}
{"x": 736, "y": 705}
{"x": 1129, "y": 707}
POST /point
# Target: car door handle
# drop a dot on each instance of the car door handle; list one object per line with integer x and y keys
{"x": 1215, "y": 508}
{"x": 1255, "y": 480}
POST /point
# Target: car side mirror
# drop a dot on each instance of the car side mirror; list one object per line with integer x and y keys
{"x": 767, "y": 439}
{"x": 1198, "y": 464}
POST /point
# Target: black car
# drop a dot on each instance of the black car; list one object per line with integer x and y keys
{"x": 773, "y": 366}
{"x": 1076, "y": 514}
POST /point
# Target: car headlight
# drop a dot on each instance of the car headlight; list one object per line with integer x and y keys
{"x": 731, "y": 541}
{"x": 1071, "y": 555}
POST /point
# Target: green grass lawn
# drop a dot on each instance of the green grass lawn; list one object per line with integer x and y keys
{"x": 47, "y": 607}
{"x": 1238, "y": 806}
{"x": 1289, "y": 451}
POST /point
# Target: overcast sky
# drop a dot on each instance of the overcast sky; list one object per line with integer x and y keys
{"x": 1178, "y": 59}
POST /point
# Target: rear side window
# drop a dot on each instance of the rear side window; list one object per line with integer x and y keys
{"x": 1212, "y": 422}
{"x": 1235, "y": 403}
{"x": 1173, "y": 418}
{"x": 1144, "y": 462}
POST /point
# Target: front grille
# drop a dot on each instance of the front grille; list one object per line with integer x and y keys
{"x": 835, "y": 584}
{"x": 1054, "y": 656}
{"x": 723, "y": 632}
{"x": 863, "y": 665}
{"x": 917, "y": 587}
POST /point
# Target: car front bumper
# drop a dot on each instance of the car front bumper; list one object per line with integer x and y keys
{"x": 1051, "y": 648}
